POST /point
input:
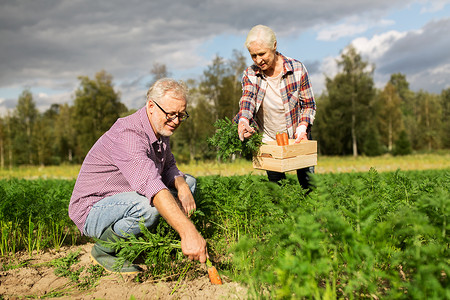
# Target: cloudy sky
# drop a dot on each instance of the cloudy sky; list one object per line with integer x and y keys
{"x": 45, "y": 45}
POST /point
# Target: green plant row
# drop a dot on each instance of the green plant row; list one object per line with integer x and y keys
{"x": 356, "y": 236}
{"x": 33, "y": 215}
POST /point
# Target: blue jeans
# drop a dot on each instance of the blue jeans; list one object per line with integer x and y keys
{"x": 124, "y": 211}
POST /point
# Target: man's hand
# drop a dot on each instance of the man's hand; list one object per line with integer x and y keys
{"x": 244, "y": 130}
{"x": 193, "y": 246}
{"x": 187, "y": 202}
{"x": 300, "y": 134}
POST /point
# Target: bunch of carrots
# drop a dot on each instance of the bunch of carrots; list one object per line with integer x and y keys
{"x": 282, "y": 139}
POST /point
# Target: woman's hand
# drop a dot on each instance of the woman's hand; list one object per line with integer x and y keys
{"x": 244, "y": 130}
{"x": 300, "y": 134}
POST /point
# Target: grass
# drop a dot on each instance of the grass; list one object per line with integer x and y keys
{"x": 41, "y": 172}
{"x": 326, "y": 164}
{"x": 385, "y": 163}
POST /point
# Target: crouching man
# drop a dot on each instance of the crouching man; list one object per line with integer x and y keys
{"x": 130, "y": 175}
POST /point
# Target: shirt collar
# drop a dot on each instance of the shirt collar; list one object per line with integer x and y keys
{"x": 286, "y": 66}
{"x": 148, "y": 129}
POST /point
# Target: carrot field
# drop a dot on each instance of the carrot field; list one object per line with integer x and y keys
{"x": 371, "y": 229}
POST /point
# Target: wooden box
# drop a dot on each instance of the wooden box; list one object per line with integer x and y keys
{"x": 291, "y": 157}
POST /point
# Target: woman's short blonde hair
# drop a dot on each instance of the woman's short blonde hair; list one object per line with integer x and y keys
{"x": 261, "y": 33}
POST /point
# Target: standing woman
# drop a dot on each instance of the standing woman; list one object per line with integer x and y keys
{"x": 276, "y": 97}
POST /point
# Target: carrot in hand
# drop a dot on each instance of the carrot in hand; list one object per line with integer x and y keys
{"x": 214, "y": 276}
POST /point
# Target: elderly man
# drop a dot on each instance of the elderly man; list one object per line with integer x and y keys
{"x": 277, "y": 96}
{"x": 130, "y": 175}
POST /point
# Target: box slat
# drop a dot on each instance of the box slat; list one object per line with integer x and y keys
{"x": 285, "y": 164}
{"x": 291, "y": 150}
{"x": 287, "y": 158}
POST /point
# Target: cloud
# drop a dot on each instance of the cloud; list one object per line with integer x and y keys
{"x": 7, "y": 105}
{"x": 51, "y": 43}
{"x": 417, "y": 50}
{"x": 378, "y": 45}
{"x": 68, "y": 38}
{"x": 327, "y": 68}
{"x": 339, "y": 31}
{"x": 433, "y": 6}
{"x": 350, "y": 27}
{"x": 421, "y": 55}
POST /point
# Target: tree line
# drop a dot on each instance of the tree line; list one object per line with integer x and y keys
{"x": 353, "y": 116}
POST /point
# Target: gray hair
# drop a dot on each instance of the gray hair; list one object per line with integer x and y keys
{"x": 261, "y": 33}
{"x": 165, "y": 85}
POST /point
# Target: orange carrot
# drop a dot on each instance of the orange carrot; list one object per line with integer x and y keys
{"x": 285, "y": 137}
{"x": 214, "y": 276}
{"x": 279, "y": 139}
{"x": 282, "y": 139}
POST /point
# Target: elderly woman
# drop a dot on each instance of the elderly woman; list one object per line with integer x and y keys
{"x": 276, "y": 96}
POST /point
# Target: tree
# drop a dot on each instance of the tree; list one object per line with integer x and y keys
{"x": 190, "y": 139}
{"x": 371, "y": 144}
{"x": 2, "y": 142}
{"x": 158, "y": 71}
{"x": 398, "y": 80}
{"x": 26, "y": 115}
{"x": 332, "y": 140}
{"x": 390, "y": 115}
{"x": 97, "y": 106}
{"x": 350, "y": 97}
{"x": 402, "y": 144}
{"x": 8, "y": 142}
{"x": 445, "y": 103}
{"x": 408, "y": 103}
{"x": 237, "y": 64}
{"x": 212, "y": 84}
{"x": 428, "y": 119}
{"x": 45, "y": 139}
{"x": 215, "y": 97}
{"x": 65, "y": 133}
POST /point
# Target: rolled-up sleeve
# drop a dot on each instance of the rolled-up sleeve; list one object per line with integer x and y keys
{"x": 248, "y": 99}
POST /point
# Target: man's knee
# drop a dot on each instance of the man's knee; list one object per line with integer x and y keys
{"x": 192, "y": 182}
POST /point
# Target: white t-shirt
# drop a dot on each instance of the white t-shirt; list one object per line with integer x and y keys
{"x": 270, "y": 116}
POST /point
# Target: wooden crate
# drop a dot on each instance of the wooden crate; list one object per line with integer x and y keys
{"x": 291, "y": 157}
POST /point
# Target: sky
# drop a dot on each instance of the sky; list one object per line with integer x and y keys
{"x": 46, "y": 45}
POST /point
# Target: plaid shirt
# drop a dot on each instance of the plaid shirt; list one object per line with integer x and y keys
{"x": 128, "y": 157}
{"x": 296, "y": 93}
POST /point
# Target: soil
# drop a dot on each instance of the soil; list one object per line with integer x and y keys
{"x": 38, "y": 280}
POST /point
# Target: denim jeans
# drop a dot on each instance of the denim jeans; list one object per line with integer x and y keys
{"x": 124, "y": 211}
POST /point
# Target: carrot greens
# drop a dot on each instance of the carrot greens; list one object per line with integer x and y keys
{"x": 226, "y": 141}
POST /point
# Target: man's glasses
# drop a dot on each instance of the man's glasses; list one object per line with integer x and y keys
{"x": 172, "y": 116}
